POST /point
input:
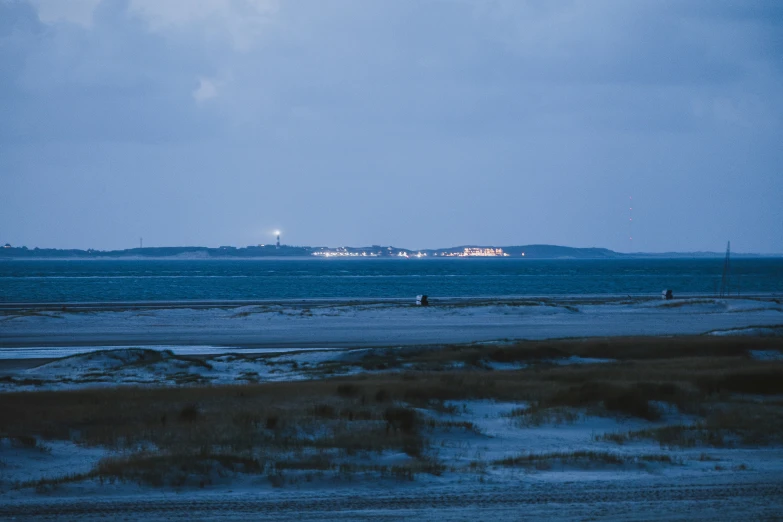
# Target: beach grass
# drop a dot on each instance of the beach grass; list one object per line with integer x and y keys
{"x": 313, "y": 425}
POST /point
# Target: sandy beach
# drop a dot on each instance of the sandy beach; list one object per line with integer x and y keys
{"x": 557, "y": 409}
{"x": 363, "y": 324}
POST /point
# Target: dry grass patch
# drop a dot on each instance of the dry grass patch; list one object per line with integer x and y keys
{"x": 536, "y": 415}
{"x": 175, "y": 469}
{"x": 726, "y": 426}
{"x": 545, "y": 461}
{"x": 761, "y": 381}
{"x": 536, "y": 352}
{"x": 222, "y": 425}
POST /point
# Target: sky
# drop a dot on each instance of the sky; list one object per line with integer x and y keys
{"x": 413, "y": 123}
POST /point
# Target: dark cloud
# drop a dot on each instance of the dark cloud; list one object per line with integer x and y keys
{"x": 414, "y": 123}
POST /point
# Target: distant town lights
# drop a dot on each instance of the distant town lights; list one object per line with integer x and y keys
{"x": 466, "y": 252}
{"x": 477, "y": 252}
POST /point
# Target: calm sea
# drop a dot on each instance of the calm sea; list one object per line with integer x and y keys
{"x": 153, "y": 280}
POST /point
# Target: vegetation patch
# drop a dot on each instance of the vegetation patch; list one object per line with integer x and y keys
{"x": 728, "y": 426}
{"x": 634, "y": 401}
{"x": 759, "y": 382}
{"x": 289, "y": 429}
{"x": 536, "y": 415}
{"x": 544, "y": 461}
{"x": 175, "y": 469}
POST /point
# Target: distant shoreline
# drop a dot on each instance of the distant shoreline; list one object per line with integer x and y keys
{"x": 621, "y": 257}
{"x": 286, "y": 252}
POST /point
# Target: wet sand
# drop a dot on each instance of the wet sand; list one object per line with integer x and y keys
{"x": 373, "y": 323}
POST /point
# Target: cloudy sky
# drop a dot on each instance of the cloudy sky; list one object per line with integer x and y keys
{"x": 417, "y": 123}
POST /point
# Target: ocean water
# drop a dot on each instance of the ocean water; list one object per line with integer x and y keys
{"x": 176, "y": 280}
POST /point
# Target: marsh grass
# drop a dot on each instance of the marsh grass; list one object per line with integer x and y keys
{"x": 726, "y": 426}
{"x": 734, "y": 396}
{"x": 28, "y": 442}
{"x": 126, "y": 416}
{"x": 46, "y": 485}
{"x": 544, "y": 461}
{"x": 760, "y": 381}
{"x": 175, "y": 469}
{"x": 537, "y": 415}
{"x": 532, "y": 352}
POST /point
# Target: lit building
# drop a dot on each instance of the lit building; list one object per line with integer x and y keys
{"x": 477, "y": 252}
{"x": 343, "y": 252}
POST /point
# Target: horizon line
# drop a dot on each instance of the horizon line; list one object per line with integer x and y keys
{"x": 390, "y": 247}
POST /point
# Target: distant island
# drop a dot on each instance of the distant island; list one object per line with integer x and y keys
{"x": 374, "y": 251}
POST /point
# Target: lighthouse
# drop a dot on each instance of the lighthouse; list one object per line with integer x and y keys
{"x": 277, "y": 233}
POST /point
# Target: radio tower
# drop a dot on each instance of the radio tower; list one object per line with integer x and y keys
{"x": 630, "y": 223}
{"x": 726, "y": 279}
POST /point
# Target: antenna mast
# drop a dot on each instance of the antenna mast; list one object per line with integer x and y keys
{"x": 726, "y": 279}
{"x": 630, "y": 223}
